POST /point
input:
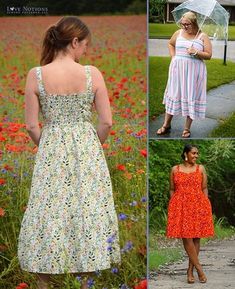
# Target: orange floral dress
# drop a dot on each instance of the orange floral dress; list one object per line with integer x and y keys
{"x": 189, "y": 210}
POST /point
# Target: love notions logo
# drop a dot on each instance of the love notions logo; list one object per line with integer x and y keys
{"x": 26, "y": 10}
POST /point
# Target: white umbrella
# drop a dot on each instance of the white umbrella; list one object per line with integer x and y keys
{"x": 212, "y": 18}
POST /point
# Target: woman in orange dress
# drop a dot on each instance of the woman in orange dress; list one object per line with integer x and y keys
{"x": 189, "y": 210}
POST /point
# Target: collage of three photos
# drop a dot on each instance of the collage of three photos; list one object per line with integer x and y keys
{"x": 117, "y": 126}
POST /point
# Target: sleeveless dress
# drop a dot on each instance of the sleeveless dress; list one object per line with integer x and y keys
{"x": 189, "y": 210}
{"x": 185, "y": 93}
{"x": 70, "y": 224}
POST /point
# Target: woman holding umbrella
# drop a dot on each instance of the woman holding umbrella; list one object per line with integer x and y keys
{"x": 185, "y": 92}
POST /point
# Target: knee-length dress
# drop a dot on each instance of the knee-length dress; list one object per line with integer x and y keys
{"x": 70, "y": 224}
{"x": 189, "y": 210}
{"x": 185, "y": 93}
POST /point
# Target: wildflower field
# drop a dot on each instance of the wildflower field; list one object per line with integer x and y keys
{"x": 118, "y": 50}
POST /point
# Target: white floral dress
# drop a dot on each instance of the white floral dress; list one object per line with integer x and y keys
{"x": 70, "y": 224}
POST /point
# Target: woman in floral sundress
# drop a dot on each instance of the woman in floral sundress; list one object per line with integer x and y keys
{"x": 70, "y": 224}
{"x": 189, "y": 210}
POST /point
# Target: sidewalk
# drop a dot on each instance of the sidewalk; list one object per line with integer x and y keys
{"x": 220, "y": 104}
{"x": 218, "y": 261}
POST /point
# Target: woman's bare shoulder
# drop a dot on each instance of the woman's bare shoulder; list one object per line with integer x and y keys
{"x": 96, "y": 74}
{"x": 174, "y": 37}
{"x": 201, "y": 168}
{"x": 95, "y": 70}
{"x": 174, "y": 168}
{"x": 204, "y": 36}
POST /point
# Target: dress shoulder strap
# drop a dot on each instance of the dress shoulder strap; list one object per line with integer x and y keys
{"x": 88, "y": 78}
{"x": 40, "y": 82}
{"x": 197, "y": 169}
{"x": 199, "y": 36}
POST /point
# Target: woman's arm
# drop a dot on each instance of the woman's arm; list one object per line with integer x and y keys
{"x": 171, "y": 43}
{"x": 172, "y": 186}
{"x": 32, "y": 107}
{"x": 206, "y": 53}
{"x": 102, "y": 105}
{"x": 204, "y": 180}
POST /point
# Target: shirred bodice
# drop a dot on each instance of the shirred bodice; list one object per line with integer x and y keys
{"x": 59, "y": 109}
{"x": 183, "y": 43}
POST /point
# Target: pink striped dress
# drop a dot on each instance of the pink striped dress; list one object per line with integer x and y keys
{"x": 185, "y": 92}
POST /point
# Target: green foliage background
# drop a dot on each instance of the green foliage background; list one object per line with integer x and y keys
{"x": 218, "y": 157}
{"x": 81, "y": 7}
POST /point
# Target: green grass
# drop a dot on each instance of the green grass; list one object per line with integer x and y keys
{"x": 158, "y": 73}
{"x": 226, "y": 127}
{"x": 157, "y": 30}
{"x": 163, "y": 256}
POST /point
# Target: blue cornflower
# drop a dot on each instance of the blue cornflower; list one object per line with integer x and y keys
{"x": 133, "y": 204}
{"x": 128, "y": 246}
{"x": 122, "y": 217}
{"x": 118, "y": 140}
{"x": 124, "y": 286}
{"x": 90, "y": 282}
{"x": 144, "y": 199}
{"x": 79, "y": 278}
{"x": 114, "y": 270}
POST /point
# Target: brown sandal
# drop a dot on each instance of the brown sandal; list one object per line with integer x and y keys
{"x": 190, "y": 279}
{"x": 202, "y": 277}
{"x": 163, "y": 130}
{"x": 186, "y": 133}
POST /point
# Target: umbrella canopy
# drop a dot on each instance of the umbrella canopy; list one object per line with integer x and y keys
{"x": 212, "y": 18}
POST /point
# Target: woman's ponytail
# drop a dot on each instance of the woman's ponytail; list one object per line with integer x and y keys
{"x": 58, "y": 37}
{"x": 49, "y": 46}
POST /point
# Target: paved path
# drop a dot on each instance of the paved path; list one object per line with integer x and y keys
{"x": 218, "y": 261}
{"x": 220, "y": 104}
{"x": 158, "y": 47}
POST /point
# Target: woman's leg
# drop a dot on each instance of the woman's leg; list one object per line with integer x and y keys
{"x": 193, "y": 256}
{"x": 196, "y": 242}
{"x": 166, "y": 125}
{"x": 187, "y": 126}
{"x": 43, "y": 281}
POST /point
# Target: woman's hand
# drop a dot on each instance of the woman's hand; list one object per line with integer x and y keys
{"x": 192, "y": 51}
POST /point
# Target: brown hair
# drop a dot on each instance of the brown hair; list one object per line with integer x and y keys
{"x": 192, "y": 17}
{"x": 58, "y": 36}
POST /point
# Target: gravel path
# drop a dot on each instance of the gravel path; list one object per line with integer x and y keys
{"x": 218, "y": 261}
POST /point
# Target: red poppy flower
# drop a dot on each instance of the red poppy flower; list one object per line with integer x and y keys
{"x": 121, "y": 167}
{"x": 2, "y": 212}
{"x": 112, "y": 132}
{"x": 141, "y": 285}
{"x": 105, "y": 146}
{"x": 2, "y": 181}
{"x": 23, "y": 285}
{"x": 143, "y": 152}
